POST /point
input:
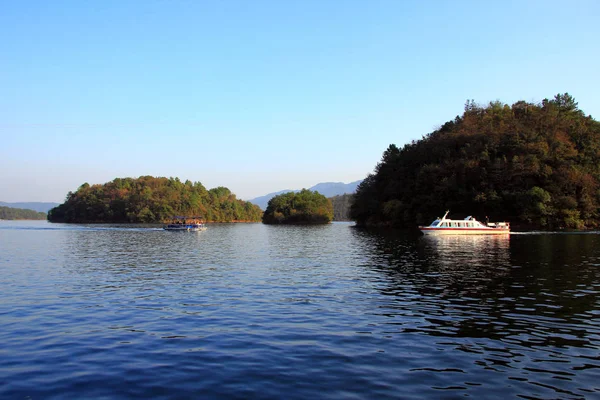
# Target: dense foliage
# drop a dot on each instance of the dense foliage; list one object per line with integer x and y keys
{"x": 20, "y": 213}
{"x": 341, "y": 207}
{"x": 148, "y": 199}
{"x": 304, "y": 207}
{"x": 535, "y": 165}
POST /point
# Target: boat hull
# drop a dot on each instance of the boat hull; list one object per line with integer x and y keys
{"x": 185, "y": 228}
{"x": 464, "y": 231}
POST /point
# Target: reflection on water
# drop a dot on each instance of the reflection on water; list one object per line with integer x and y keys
{"x": 253, "y": 311}
{"x": 526, "y": 306}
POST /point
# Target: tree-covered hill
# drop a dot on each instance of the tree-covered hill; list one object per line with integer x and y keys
{"x": 535, "y": 165}
{"x": 20, "y": 213}
{"x": 327, "y": 189}
{"x": 31, "y": 205}
{"x": 304, "y": 207}
{"x": 148, "y": 199}
{"x": 341, "y": 206}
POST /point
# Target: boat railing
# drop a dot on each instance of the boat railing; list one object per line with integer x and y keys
{"x": 498, "y": 224}
{"x": 185, "y": 221}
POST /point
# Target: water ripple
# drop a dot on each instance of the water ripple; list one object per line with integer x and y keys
{"x": 252, "y": 311}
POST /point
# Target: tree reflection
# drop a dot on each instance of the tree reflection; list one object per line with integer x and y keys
{"x": 513, "y": 287}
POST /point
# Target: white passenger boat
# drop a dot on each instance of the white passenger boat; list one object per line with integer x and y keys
{"x": 467, "y": 226}
{"x": 193, "y": 224}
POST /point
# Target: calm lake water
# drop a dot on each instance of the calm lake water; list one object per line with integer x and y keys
{"x": 254, "y": 311}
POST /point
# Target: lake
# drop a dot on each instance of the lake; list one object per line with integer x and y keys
{"x": 295, "y": 312}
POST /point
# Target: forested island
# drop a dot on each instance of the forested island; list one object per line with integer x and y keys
{"x": 20, "y": 213}
{"x": 535, "y": 165}
{"x": 341, "y": 206}
{"x": 304, "y": 207}
{"x": 152, "y": 200}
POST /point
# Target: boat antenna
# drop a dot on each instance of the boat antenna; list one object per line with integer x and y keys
{"x": 444, "y": 217}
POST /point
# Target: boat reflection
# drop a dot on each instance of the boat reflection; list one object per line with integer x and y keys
{"x": 471, "y": 250}
{"x": 527, "y": 290}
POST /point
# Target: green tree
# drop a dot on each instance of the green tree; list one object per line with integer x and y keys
{"x": 341, "y": 207}
{"x": 149, "y": 199}
{"x": 532, "y": 164}
{"x": 304, "y": 207}
{"x": 20, "y": 213}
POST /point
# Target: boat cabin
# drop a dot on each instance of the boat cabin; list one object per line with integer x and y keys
{"x": 468, "y": 225}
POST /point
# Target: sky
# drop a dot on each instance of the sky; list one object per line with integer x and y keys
{"x": 260, "y": 96}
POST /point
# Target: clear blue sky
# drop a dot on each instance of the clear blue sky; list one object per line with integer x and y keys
{"x": 260, "y": 96}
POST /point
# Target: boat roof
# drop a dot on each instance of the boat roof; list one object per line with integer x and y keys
{"x": 469, "y": 218}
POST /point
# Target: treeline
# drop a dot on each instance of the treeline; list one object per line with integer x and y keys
{"x": 152, "y": 200}
{"x": 535, "y": 165}
{"x": 341, "y": 207}
{"x": 20, "y": 213}
{"x": 304, "y": 207}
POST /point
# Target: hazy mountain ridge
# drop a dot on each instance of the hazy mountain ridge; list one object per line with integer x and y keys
{"x": 327, "y": 189}
{"x": 32, "y": 205}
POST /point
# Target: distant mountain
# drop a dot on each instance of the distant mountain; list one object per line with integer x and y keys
{"x": 327, "y": 189}
{"x": 35, "y": 206}
{"x": 262, "y": 201}
{"x": 330, "y": 189}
